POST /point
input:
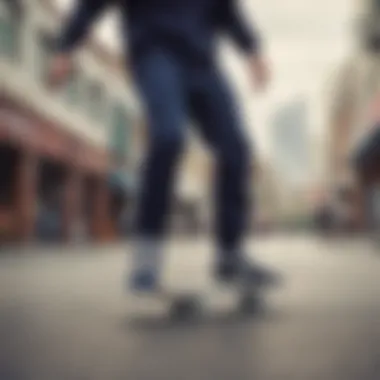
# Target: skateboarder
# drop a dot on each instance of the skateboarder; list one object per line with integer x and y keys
{"x": 172, "y": 55}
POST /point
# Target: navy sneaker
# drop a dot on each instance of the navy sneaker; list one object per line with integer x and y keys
{"x": 241, "y": 271}
{"x": 145, "y": 281}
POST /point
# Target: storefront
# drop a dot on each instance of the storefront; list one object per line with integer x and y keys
{"x": 51, "y": 183}
{"x": 123, "y": 189}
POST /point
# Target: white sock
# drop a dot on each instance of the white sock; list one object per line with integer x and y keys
{"x": 147, "y": 255}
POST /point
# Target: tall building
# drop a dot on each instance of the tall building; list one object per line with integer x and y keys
{"x": 64, "y": 155}
{"x": 290, "y": 141}
{"x": 293, "y": 160}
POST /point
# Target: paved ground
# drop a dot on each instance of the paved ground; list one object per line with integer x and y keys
{"x": 63, "y": 316}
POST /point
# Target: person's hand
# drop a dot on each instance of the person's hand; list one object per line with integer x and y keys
{"x": 260, "y": 72}
{"x": 60, "y": 69}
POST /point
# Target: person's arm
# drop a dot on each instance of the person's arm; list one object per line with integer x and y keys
{"x": 79, "y": 22}
{"x": 83, "y": 16}
{"x": 233, "y": 23}
{"x": 246, "y": 37}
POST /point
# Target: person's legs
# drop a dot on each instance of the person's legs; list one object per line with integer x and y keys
{"x": 217, "y": 116}
{"x": 366, "y": 165}
{"x": 159, "y": 81}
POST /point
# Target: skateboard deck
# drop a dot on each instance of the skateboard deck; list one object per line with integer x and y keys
{"x": 185, "y": 304}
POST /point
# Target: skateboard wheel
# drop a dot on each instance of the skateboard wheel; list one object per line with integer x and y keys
{"x": 184, "y": 308}
{"x": 249, "y": 304}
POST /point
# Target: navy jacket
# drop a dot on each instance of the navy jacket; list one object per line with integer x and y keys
{"x": 186, "y": 27}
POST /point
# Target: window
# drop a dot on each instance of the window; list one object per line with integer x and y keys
{"x": 73, "y": 88}
{"x": 10, "y": 32}
{"x": 95, "y": 100}
{"x": 119, "y": 131}
{"x": 43, "y": 55}
{"x": 6, "y": 37}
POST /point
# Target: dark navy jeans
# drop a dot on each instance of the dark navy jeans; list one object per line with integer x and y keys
{"x": 367, "y": 162}
{"x": 176, "y": 96}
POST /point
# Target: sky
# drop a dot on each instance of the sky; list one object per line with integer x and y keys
{"x": 305, "y": 41}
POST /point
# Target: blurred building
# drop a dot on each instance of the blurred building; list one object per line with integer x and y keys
{"x": 65, "y": 157}
{"x": 266, "y": 202}
{"x": 291, "y": 141}
{"x": 355, "y": 103}
{"x": 193, "y": 207}
{"x": 292, "y": 159}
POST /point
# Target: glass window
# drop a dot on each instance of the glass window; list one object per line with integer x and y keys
{"x": 73, "y": 88}
{"x": 10, "y": 41}
{"x": 95, "y": 100}
{"x": 119, "y": 131}
{"x": 43, "y": 56}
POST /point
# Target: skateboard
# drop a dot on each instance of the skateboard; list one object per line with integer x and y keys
{"x": 184, "y": 305}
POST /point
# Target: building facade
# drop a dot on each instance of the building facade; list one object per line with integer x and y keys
{"x": 292, "y": 159}
{"x": 291, "y": 138}
{"x": 64, "y": 155}
{"x": 355, "y": 107}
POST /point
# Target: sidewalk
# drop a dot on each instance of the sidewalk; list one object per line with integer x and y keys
{"x": 67, "y": 316}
